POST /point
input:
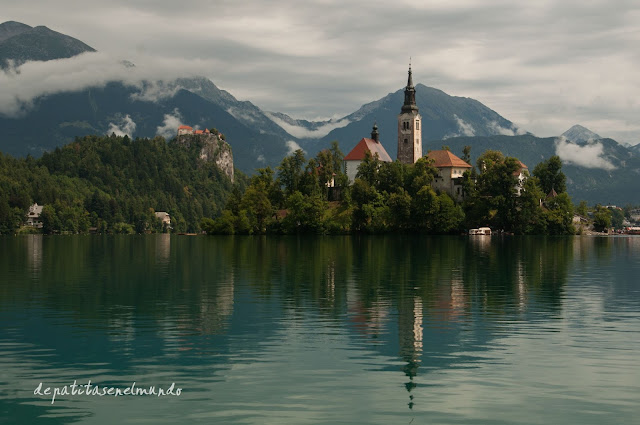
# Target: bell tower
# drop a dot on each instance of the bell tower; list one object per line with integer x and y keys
{"x": 409, "y": 130}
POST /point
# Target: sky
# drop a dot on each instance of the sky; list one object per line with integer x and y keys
{"x": 545, "y": 65}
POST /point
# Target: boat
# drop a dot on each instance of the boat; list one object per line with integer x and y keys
{"x": 481, "y": 231}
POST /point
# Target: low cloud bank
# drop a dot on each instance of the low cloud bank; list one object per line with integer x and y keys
{"x": 22, "y": 84}
{"x": 125, "y": 127}
{"x": 304, "y": 133}
{"x": 504, "y": 131}
{"x": 590, "y": 155}
{"x": 292, "y": 147}
{"x": 170, "y": 124}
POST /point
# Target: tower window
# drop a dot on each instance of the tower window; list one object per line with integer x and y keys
{"x": 406, "y": 140}
{"x": 417, "y": 125}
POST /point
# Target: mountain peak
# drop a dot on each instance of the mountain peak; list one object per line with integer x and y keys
{"x": 21, "y": 43}
{"x": 580, "y": 134}
{"x": 10, "y": 28}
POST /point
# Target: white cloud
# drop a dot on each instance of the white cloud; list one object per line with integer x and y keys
{"x": 304, "y": 133}
{"x": 170, "y": 124}
{"x": 314, "y": 59}
{"x": 292, "y": 147}
{"x": 464, "y": 129}
{"x": 498, "y": 129}
{"x": 21, "y": 85}
{"x": 126, "y": 126}
{"x": 153, "y": 91}
{"x": 589, "y": 155}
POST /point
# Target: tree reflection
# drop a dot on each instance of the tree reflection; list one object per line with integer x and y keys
{"x": 415, "y": 298}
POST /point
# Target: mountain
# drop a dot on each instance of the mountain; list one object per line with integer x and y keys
{"x": 10, "y": 28}
{"x": 580, "y": 134}
{"x": 55, "y": 120}
{"x": 443, "y": 116}
{"x": 602, "y": 171}
{"x": 598, "y": 170}
{"x": 22, "y": 43}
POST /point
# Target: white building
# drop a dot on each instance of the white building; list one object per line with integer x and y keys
{"x": 164, "y": 217}
{"x": 354, "y": 158}
{"x": 450, "y": 172}
{"x": 33, "y": 216}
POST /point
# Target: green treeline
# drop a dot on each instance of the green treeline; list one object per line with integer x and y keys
{"x": 396, "y": 197}
{"x": 114, "y": 185}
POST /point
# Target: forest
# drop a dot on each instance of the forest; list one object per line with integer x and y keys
{"x": 112, "y": 184}
{"x": 396, "y": 197}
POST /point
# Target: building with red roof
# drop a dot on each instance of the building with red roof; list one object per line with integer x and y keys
{"x": 450, "y": 172}
{"x": 354, "y": 158}
{"x": 185, "y": 129}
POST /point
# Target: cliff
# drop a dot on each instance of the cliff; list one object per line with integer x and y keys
{"x": 212, "y": 149}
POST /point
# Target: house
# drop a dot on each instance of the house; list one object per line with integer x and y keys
{"x": 33, "y": 216}
{"x": 522, "y": 173}
{"x": 450, "y": 172}
{"x": 164, "y": 217}
{"x": 354, "y": 158}
{"x": 185, "y": 129}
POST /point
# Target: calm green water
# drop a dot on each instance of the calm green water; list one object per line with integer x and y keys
{"x": 322, "y": 330}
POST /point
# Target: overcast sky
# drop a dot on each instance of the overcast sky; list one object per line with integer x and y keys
{"x": 545, "y": 65}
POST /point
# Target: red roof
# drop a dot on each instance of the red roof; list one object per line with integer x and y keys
{"x": 445, "y": 159}
{"x": 368, "y": 145}
{"x": 521, "y": 168}
{"x": 185, "y": 127}
{"x": 199, "y": 131}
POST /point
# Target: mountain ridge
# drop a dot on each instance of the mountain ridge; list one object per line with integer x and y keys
{"x": 22, "y": 43}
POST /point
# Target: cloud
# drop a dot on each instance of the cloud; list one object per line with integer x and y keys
{"x": 305, "y": 133}
{"x": 153, "y": 91}
{"x": 589, "y": 156}
{"x": 261, "y": 158}
{"x": 292, "y": 147}
{"x": 314, "y": 59}
{"x": 170, "y": 124}
{"x": 21, "y": 85}
{"x": 464, "y": 129}
{"x": 126, "y": 127}
{"x": 498, "y": 129}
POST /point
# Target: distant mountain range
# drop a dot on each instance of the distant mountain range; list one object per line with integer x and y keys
{"x": 599, "y": 170}
{"x": 602, "y": 171}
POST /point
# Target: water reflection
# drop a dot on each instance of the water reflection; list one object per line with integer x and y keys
{"x": 232, "y": 316}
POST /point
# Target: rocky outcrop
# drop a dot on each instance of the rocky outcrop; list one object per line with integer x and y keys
{"x": 213, "y": 148}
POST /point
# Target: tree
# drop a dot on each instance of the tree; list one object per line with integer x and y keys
{"x": 617, "y": 218}
{"x": 466, "y": 154}
{"x": 290, "y": 171}
{"x": 559, "y": 215}
{"x": 257, "y": 206}
{"x": 550, "y": 175}
{"x": 496, "y": 188}
{"x": 601, "y": 218}
{"x": 304, "y": 213}
{"x": 369, "y": 168}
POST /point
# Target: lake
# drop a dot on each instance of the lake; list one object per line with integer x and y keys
{"x": 320, "y": 330}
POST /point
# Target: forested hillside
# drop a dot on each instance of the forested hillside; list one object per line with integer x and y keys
{"x": 113, "y": 184}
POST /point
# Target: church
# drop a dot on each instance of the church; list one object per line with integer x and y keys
{"x": 449, "y": 165}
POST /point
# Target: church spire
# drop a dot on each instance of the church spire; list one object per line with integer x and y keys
{"x": 410, "y": 80}
{"x": 409, "y": 94}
